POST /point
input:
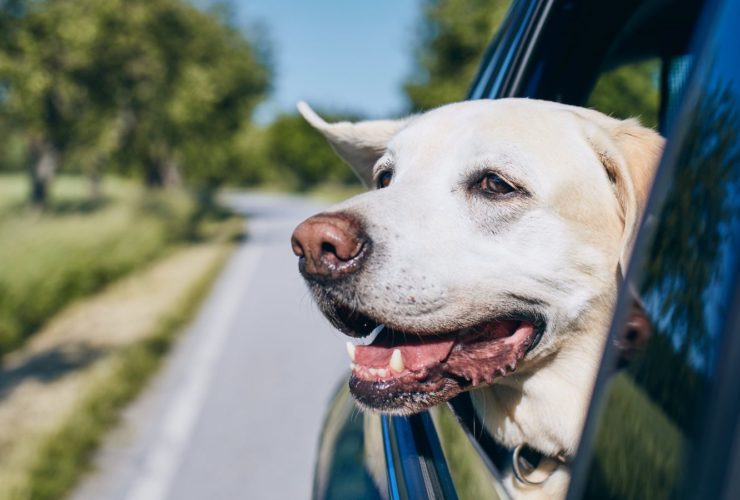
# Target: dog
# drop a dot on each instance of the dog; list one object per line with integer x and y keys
{"x": 485, "y": 258}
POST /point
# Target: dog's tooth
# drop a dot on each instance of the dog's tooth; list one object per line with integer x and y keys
{"x": 352, "y": 366}
{"x": 372, "y": 371}
{"x": 351, "y": 350}
{"x": 396, "y": 363}
{"x": 383, "y": 372}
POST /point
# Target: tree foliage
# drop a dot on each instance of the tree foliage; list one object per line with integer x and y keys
{"x": 296, "y": 148}
{"x": 455, "y": 33}
{"x": 453, "y": 36}
{"x": 155, "y": 87}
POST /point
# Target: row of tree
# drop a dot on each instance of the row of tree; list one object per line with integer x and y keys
{"x": 451, "y": 39}
{"x": 163, "y": 90}
{"x": 154, "y": 87}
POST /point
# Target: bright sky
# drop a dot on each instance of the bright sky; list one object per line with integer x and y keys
{"x": 340, "y": 55}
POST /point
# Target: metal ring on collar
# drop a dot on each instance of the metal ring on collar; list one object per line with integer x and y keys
{"x": 519, "y": 474}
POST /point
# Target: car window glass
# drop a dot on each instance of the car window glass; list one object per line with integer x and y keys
{"x": 630, "y": 90}
{"x": 350, "y": 460}
{"x": 665, "y": 357}
{"x": 471, "y": 476}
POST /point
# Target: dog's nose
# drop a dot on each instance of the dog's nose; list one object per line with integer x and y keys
{"x": 329, "y": 245}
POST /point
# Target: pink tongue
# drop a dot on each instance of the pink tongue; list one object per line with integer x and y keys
{"x": 415, "y": 356}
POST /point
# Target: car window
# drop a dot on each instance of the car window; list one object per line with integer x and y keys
{"x": 630, "y": 90}
{"x": 473, "y": 475}
{"x": 667, "y": 350}
{"x": 648, "y": 89}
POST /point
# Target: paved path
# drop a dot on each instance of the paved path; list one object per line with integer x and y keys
{"x": 236, "y": 411}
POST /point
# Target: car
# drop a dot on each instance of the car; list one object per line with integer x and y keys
{"x": 663, "y": 420}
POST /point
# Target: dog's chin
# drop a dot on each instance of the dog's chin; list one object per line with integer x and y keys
{"x": 404, "y": 371}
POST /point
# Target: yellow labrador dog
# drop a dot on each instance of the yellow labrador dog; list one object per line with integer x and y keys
{"x": 485, "y": 258}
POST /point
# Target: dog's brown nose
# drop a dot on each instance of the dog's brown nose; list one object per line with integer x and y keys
{"x": 329, "y": 245}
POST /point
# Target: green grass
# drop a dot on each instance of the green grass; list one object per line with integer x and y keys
{"x": 334, "y": 193}
{"x": 77, "y": 246}
{"x": 65, "y": 455}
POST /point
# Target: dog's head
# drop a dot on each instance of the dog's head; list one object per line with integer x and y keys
{"x": 492, "y": 230}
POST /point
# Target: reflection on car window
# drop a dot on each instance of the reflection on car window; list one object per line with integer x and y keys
{"x": 472, "y": 479}
{"x": 653, "y": 407}
{"x": 344, "y": 458}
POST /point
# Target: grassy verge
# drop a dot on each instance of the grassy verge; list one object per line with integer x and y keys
{"x": 78, "y": 246}
{"x": 65, "y": 388}
{"x": 334, "y": 193}
{"x": 330, "y": 192}
{"x": 66, "y": 453}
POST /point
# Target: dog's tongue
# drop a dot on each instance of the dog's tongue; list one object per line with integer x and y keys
{"x": 415, "y": 356}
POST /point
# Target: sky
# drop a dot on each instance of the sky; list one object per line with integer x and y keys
{"x": 338, "y": 55}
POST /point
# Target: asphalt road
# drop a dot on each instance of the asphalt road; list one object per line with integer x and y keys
{"x": 237, "y": 408}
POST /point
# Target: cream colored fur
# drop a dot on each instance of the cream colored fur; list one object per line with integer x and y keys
{"x": 446, "y": 258}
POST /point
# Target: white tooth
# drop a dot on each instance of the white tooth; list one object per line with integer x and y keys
{"x": 397, "y": 361}
{"x": 372, "y": 371}
{"x": 351, "y": 350}
{"x": 383, "y": 372}
{"x": 352, "y": 366}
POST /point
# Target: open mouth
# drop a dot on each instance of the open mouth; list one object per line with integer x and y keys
{"x": 405, "y": 372}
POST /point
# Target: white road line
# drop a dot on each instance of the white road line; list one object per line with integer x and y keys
{"x": 165, "y": 455}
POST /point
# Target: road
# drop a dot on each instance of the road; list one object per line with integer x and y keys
{"x": 237, "y": 407}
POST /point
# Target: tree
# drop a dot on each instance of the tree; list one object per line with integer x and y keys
{"x": 454, "y": 35}
{"x": 157, "y": 87}
{"x": 194, "y": 83}
{"x": 43, "y": 50}
{"x": 302, "y": 154}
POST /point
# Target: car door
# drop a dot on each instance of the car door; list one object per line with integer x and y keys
{"x": 664, "y": 417}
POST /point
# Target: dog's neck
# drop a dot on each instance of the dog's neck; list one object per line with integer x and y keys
{"x": 545, "y": 408}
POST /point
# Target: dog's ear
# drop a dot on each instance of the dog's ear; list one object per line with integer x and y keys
{"x": 630, "y": 154}
{"x": 359, "y": 144}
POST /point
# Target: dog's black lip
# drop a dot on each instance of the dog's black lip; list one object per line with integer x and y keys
{"x": 416, "y": 391}
{"x": 338, "y": 316}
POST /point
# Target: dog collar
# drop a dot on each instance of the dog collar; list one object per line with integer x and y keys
{"x": 527, "y": 465}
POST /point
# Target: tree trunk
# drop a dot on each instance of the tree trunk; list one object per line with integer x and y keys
{"x": 171, "y": 174}
{"x": 96, "y": 186}
{"x": 42, "y": 172}
{"x": 163, "y": 173}
{"x": 153, "y": 175}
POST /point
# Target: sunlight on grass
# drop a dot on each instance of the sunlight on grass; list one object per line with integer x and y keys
{"x": 77, "y": 247}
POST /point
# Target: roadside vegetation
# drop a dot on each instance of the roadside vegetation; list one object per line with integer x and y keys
{"x": 78, "y": 247}
{"x": 64, "y": 389}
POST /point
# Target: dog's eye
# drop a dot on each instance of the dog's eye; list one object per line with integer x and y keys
{"x": 384, "y": 179}
{"x": 493, "y": 184}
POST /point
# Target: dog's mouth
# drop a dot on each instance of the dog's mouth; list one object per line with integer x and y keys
{"x": 404, "y": 372}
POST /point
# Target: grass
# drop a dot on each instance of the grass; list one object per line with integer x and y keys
{"x": 77, "y": 246}
{"x": 330, "y": 192}
{"x": 65, "y": 455}
{"x": 53, "y": 418}
{"x": 334, "y": 193}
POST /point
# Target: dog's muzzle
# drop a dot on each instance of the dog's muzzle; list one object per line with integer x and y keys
{"x": 330, "y": 246}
